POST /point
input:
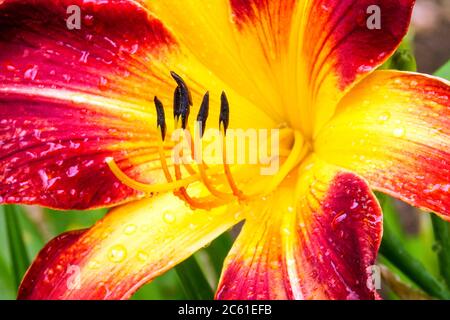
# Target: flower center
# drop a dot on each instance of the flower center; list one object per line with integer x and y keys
{"x": 292, "y": 149}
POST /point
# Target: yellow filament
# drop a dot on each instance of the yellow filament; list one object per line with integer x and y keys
{"x": 162, "y": 157}
{"x": 208, "y": 184}
{"x": 200, "y": 203}
{"x": 179, "y": 184}
{"x": 238, "y": 193}
{"x": 148, "y": 188}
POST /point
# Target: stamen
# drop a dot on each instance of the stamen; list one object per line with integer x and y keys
{"x": 224, "y": 117}
{"x": 224, "y": 120}
{"x": 234, "y": 188}
{"x": 148, "y": 188}
{"x": 161, "y": 118}
{"x": 182, "y": 100}
{"x": 182, "y": 103}
{"x": 177, "y": 104}
{"x": 161, "y": 123}
{"x": 199, "y": 203}
{"x": 177, "y": 184}
{"x": 203, "y": 113}
{"x": 201, "y": 118}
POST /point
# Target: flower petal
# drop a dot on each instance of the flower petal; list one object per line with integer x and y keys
{"x": 336, "y": 48}
{"x": 316, "y": 243}
{"x": 132, "y": 245}
{"x": 244, "y": 43}
{"x": 67, "y": 101}
{"x": 71, "y": 98}
{"x": 394, "y": 129}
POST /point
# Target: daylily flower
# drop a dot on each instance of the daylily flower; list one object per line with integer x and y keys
{"x": 79, "y": 130}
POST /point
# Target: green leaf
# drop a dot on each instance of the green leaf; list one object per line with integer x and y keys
{"x": 394, "y": 251}
{"x": 17, "y": 249}
{"x": 164, "y": 287}
{"x": 217, "y": 252}
{"x": 193, "y": 280}
{"x": 7, "y": 285}
{"x": 62, "y": 221}
{"x": 441, "y": 230}
{"x": 403, "y": 59}
{"x": 444, "y": 71}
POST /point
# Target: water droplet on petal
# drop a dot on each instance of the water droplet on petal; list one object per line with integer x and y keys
{"x": 338, "y": 219}
{"x": 72, "y": 171}
{"x": 102, "y": 83}
{"x": 399, "y": 132}
{"x": 117, "y": 253}
{"x": 385, "y": 116}
{"x": 30, "y": 74}
{"x": 354, "y": 205}
{"x": 192, "y": 226}
{"x": 93, "y": 264}
{"x": 142, "y": 255}
{"x": 130, "y": 229}
{"x": 168, "y": 217}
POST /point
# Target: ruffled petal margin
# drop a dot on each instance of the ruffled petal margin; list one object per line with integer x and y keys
{"x": 320, "y": 242}
{"x": 128, "y": 248}
{"x": 394, "y": 130}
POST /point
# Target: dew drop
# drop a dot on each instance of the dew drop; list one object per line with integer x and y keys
{"x": 72, "y": 171}
{"x": 168, "y": 217}
{"x": 117, "y": 253}
{"x": 31, "y": 73}
{"x": 192, "y": 226}
{"x": 385, "y": 116}
{"x": 364, "y": 68}
{"x": 354, "y": 205}
{"x": 130, "y": 229}
{"x": 142, "y": 255}
{"x": 338, "y": 219}
{"x": 399, "y": 132}
{"x": 102, "y": 83}
{"x": 88, "y": 20}
{"x": 93, "y": 264}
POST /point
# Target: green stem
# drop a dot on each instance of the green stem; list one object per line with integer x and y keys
{"x": 193, "y": 280}
{"x": 393, "y": 250}
{"x": 441, "y": 231}
{"x": 218, "y": 250}
{"x": 17, "y": 250}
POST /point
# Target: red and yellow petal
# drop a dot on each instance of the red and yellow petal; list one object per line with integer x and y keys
{"x": 71, "y": 98}
{"x": 128, "y": 248}
{"x": 318, "y": 242}
{"x": 394, "y": 129}
{"x": 335, "y": 49}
